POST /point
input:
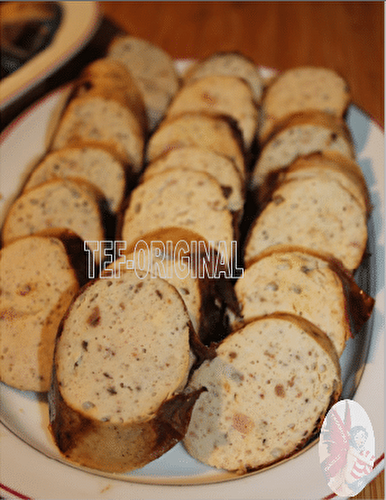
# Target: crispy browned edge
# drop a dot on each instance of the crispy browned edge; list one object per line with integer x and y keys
{"x": 88, "y": 84}
{"x": 323, "y": 340}
{"x": 75, "y": 250}
{"x": 154, "y": 436}
{"x": 217, "y": 295}
{"x": 110, "y": 78}
{"x": 359, "y": 305}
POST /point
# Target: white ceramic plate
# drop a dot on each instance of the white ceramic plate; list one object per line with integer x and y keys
{"x": 30, "y": 464}
{"x": 79, "y": 21}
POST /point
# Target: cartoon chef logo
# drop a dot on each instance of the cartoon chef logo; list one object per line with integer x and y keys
{"x": 346, "y": 448}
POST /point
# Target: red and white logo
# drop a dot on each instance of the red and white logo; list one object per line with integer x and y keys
{"x": 346, "y": 448}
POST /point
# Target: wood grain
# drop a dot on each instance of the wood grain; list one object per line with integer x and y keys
{"x": 345, "y": 36}
{"x": 374, "y": 490}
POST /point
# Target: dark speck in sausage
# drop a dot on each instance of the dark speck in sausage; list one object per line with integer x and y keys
{"x": 94, "y": 319}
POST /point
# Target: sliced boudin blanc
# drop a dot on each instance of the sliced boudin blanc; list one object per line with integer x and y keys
{"x": 94, "y": 165}
{"x": 121, "y": 363}
{"x": 111, "y": 78}
{"x": 305, "y": 88}
{"x": 109, "y": 69}
{"x": 155, "y": 260}
{"x": 345, "y": 171}
{"x": 217, "y": 165}
{"x": 56, "y": 204}
{"x": 220, "y": 94}
{"x": 178, "y": 256}
{"x": 37, "y": 286}
{"x": 267, "y": 392}
{"x": 184, "y": 199}
{"x": 298, "y": 282}
{"x": 216, "y": 133}
{"x": 97, "y": 120}
{"x": 302, "y": 134}
{"x": 315, "y": 213}
{"x": 153, "y": 71}
{"x": 229, "y": 63}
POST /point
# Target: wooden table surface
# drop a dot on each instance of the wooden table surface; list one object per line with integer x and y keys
{"x": 345, "y": 36}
